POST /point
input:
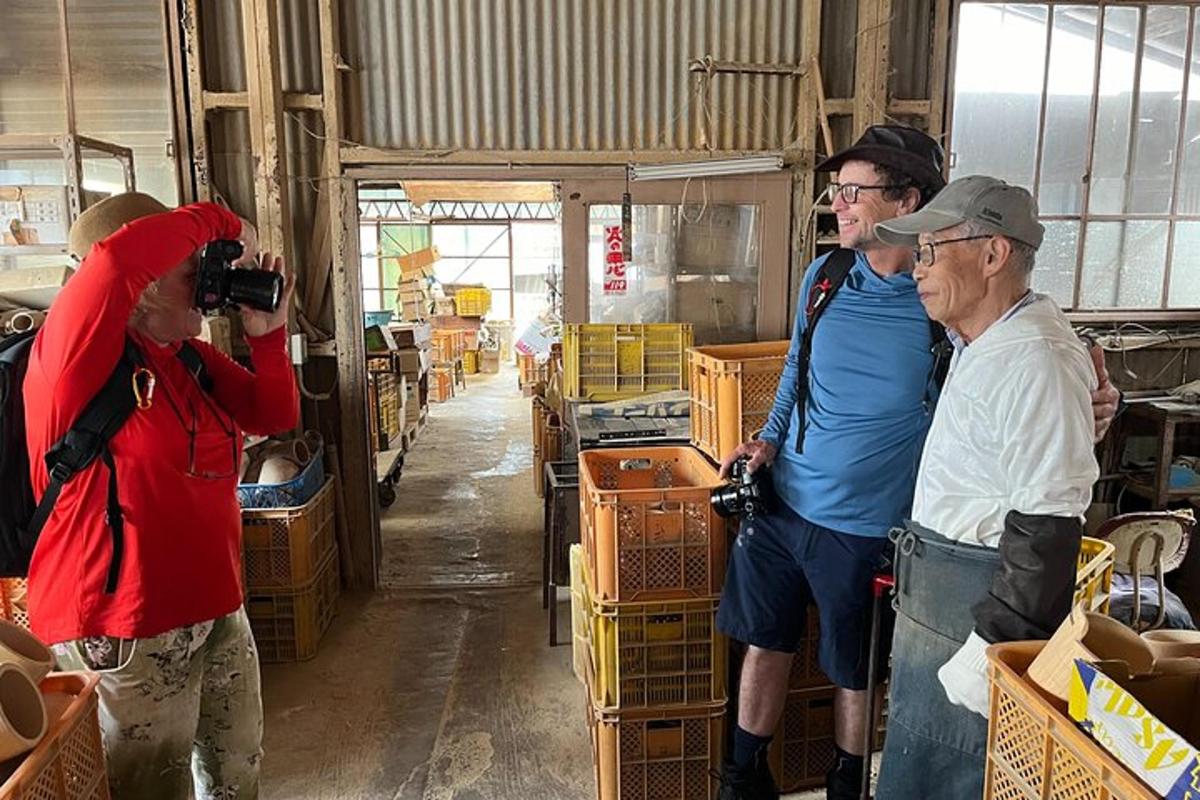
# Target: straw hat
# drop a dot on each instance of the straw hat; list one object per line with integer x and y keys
{"x": 106, "y": 218}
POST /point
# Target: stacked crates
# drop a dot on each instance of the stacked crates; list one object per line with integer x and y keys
{"x": 547, "y": 441}
{"x": 291, "y": 572}
{"x": 645, "y": 586}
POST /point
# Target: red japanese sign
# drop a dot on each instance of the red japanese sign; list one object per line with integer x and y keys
{"x": 615, "y": 281}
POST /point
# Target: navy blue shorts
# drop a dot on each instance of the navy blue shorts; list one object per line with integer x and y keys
{"x": 780, "y": 563}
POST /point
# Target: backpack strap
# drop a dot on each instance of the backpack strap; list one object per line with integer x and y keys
{"x": 194, "y": 364}
{"x": 942, "y": 349}
{"x": 88, "y": 438}
{"x": 829, "y": 278}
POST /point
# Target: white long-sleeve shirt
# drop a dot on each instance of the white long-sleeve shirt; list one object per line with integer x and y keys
{"x": 1012, "y": 430}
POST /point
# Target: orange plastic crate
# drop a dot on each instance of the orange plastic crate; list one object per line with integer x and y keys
{"x": 1035, "y": 751}
{"x": 803, "y": 748}
{"x": 285, "y": 546}
{"x": 68, "y": 764}
{"x": 648, "y": 528}
{"x": 732, "y": 391}
{"x": 657, "y": 755}
{"x": 13, "y": 601}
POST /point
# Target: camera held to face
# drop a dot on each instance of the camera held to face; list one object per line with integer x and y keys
{"x": 220, "y": 284}
{"x": 745, "y": 494}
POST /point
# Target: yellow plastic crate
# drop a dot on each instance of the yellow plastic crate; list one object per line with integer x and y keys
{"x": 470, "y": 361}
{"x": 732, "y": 392}
{"x": 657, "y": 655}
{"x": 604, "y": 362}
{"x": 473, "y": 301}
{"x": 581, "y": 614}
{"x": 1093, "y": 578}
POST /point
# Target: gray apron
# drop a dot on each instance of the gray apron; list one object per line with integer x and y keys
{"x": 934, "y": 750}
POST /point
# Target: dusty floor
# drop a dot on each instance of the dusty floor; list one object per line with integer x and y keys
{"x": 442, "y": 686}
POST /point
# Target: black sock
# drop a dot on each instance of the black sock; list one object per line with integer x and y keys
{"x": 746, "y": 747}
{"x": 848, "y": 763}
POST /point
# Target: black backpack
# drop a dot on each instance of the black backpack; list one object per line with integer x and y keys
{"x": 829, "y": 278}
{"x": 21, "y": 518}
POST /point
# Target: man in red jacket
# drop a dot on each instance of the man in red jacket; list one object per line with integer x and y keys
{"x": 180, "y": 703}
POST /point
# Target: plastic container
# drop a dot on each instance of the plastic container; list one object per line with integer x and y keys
{"x": 803, "y": 748}
{"x": 288, "y": 623}
{"x": 13, "y": 602}
{"x": 648, "y": 528}
{"x": 68, "y": 764}
{"x": 448, "y": 344}
{"x": 285, "y": 546}
{"x": 473, "y": 301}
{"x": 470, "y": 362}
{"x": 657, "y": 655}
{"x": 1093, "y": 578}
{"x": 290, "y": 494}
{"x": 371, "y": 318}
{"x": 1034, "y": 750}
{"x": 657, "y": 755}
{"x": 581, "y": 615}
{"x": 732, "y": 392}
{"x": 610, "y": 362}
{"x": 441, "y": 384}
{"x": 531, "y": 371}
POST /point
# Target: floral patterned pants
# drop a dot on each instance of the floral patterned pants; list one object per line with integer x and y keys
{"x": 179, "y": 713}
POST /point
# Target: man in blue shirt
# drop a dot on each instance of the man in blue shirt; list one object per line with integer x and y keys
{"x": 867, "y": 408}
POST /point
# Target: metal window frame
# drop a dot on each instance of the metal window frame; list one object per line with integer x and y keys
{"x": 1085, "y": 216}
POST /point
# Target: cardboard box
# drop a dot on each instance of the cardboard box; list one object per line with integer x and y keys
{"x": 413, "y": 362}
{"x": 489, "y": 361}
{"x": 412, "y": 334}
{"x": 443, "y": 306}
{"x": 457, "y": 323}
{"x": 418, "y": 265}
{"x": 1150, "y": 723}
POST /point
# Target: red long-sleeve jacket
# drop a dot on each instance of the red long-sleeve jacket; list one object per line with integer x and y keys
{"x": 176, "y": 462}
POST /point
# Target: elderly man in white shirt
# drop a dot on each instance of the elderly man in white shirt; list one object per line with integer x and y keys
{"x": 1004, "y": 480}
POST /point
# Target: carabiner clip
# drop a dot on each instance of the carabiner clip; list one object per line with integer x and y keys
{"x": 143, "y": 377}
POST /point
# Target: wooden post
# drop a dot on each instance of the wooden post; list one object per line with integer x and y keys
{"x": 358, "y": 473}
{"x": 871, "y": 63}
{"x": 185, "y": 179}
{"x": 192, "y": 55}
{"x": 804, "y": 179}
{"x": 267, "y": 141}
{"x": 939, "y": 60}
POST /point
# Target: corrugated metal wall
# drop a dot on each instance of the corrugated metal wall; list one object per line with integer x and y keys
{"x": 565, "y": 74}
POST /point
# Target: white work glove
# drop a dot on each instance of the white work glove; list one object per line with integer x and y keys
{"x": 965, "y": 676}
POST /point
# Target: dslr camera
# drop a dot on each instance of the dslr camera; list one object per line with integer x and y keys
{"x": 220, "y": 284}
{"x": 744, "y": 495}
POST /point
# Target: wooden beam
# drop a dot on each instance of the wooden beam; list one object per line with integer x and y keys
{"x": 871, "y": 65}
{"x": 356, "y": 155}
{"x": 271, "y": 196}
{"x": 910, "y": 108}
{"x": 185, "y": 183}
{"x": 292, "y": 101}
{"x": 358, "y": 468}
{"x": 839, "y": 106}
{"x": 193, "y": 63}
{"x": 939, "y": 60}
{"x": 803, "y": 186}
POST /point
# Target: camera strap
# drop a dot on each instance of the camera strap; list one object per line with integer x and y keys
{"x": 194, "y": 364}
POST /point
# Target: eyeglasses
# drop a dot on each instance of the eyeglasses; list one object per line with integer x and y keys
{"x": 926, "y": 254}
{"x": 228, "y": 429}
{"x": 849, "y": 191}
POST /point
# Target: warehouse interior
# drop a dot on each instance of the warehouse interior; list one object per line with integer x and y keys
{"x": 549, "y": 256}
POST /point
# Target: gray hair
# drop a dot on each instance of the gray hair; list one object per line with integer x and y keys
{"x": 1022, "y": 255}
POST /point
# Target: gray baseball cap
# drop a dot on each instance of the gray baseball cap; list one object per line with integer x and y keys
{"x": 1006, "y": 210}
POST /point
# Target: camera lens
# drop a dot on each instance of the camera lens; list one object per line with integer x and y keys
{"x": 256, "y": 288}
{"x": 726, "y": 500}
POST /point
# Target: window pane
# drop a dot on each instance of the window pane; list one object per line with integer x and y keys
{"x": 398, "y": 239}
{"x": 368, "y": 244}
{"x": 1123, "y": 264}
{"x": 1185, "y": 267}
{"x": 1068, "y": 105}
{"x": 1189, "y": 189}
{"x": 500, "y": 301}
{"x": 1054, "y": 273}
{"x": 1158, "y": 110}
{"x": 490, "y": 272}
{"x": 537, "y": 240}
{"x": 689, "y": 265}
{"x": 996, "y": 110}
{"x": 373, "y": 301}
{"x": 1114, "y": 108}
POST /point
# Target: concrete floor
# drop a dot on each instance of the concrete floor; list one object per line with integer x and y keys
{"x": 441, "y": 686}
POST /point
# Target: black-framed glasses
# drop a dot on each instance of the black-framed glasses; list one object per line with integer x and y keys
{"x": 849, "y": 191}
{"x": 925, "y": 254}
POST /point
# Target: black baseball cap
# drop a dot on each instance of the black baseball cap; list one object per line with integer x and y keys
{"x": 898, "y": 146}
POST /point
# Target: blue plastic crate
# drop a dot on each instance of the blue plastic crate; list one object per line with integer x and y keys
{"x": 376, "y": 318}
{"x": 296, "y": 492}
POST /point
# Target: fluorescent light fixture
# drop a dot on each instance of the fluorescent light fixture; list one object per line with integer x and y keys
{"x": 706, "y": 169}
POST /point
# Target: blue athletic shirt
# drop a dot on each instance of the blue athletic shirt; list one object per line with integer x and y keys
{"x": 869, "y": 383}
